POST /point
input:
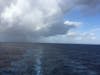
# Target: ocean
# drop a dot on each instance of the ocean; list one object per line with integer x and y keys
{"x": 49, "y": 59}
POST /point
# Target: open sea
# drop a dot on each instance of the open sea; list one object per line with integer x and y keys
{"x": 49, "y": 59}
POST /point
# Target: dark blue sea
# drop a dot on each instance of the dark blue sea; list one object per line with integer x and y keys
{"x": 49, "y": 59}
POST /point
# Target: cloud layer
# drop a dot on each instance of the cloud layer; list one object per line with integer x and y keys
{"x": 31, "y": 20}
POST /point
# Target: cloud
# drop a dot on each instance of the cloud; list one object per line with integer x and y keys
{"x": 82, "y": 36}
{"x": 89, "y": 7}
{"x": 72, "y": 23}
{"x": 3, "y": 4}
{"x": 73, "y": 37}
{"x": 86, "y": 36}
{"x": 31, "y": 20}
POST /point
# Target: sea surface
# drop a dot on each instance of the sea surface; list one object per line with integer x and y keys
{"x": 49, "y": 59}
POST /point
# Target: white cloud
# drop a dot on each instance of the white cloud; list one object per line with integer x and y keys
{"x": 86, "y": 36}
{"x": 33, "y": 19}
{"x": 29, "y": 20}
{"x": 73, "y": 37}
{"x": 72, "y": 23}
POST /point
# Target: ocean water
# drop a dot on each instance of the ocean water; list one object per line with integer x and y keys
{"x": 49, "y": 59}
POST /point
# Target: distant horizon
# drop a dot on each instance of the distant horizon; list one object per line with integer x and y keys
{"x": 50, "y": 43}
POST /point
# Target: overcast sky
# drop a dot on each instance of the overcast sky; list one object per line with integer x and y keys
{"x": 51, "y": 21}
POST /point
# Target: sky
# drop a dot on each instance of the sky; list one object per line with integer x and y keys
{"x": 50, "y": 21}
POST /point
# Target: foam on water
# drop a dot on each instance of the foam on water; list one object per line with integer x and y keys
{"x": 38, "y": 64}
{"x": 29, "y": 64}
